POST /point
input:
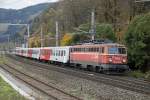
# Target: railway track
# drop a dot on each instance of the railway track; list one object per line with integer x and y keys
{"x": 53, "y": 92}
{"x": 135, "y": 85}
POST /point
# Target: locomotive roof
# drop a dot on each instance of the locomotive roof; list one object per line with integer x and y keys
{"x": 105, "y": 44}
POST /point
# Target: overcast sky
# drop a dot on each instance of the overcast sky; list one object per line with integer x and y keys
{"x": 18, "y": 4}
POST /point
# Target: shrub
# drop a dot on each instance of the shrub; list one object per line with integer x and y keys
{"x": 137, "y": 39}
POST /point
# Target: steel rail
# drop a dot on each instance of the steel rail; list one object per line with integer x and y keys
{"x": 41, "y": 82}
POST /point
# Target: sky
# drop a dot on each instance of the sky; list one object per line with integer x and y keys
{"x": 19, "y": 4}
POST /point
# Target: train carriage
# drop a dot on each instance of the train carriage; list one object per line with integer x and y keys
{"x": 60, "y": 54}
{"x": 45, "y": 53}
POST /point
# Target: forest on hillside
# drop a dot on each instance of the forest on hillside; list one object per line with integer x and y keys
{"x": 123, "y": 21}
{"x": 72, "y": 14}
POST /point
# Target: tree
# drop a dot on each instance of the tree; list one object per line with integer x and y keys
{"x": 137, "y": 39}
{"x": 79, "y": 37}
{"x": 34, "y": 42}
{"x": 103, "y": 31}
{"x": 66, "y": 40}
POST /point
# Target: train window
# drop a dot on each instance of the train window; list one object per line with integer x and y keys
{"x": 102, "y": 50}
{"x": 57, "y": 54}
{"x": 54, "y": 53}
{"x": 116, "y": 50}
{"x": 61, "y": 53}
{"x": 71, "y": 50}
{"x": 88, "y": 49}
{"x": 121, "y": 50}
{"x": 83, "y": 49}
{"x": 97, "y": 49}
{"x": 91, "y": 49}
{"x": 113, "y": 50}
{"x": 75, "y": 49}
{"x": 64, "y": 53}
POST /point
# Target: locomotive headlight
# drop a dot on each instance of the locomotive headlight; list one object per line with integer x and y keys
{"x": 123, "y": 60}
{"x": 110, "y": 59}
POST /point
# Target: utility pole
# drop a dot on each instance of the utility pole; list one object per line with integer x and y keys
{"x": 57, "y": 34}
{"x": 42, "y": 37}
{"x": 28, "y": 29}
{"x": 93, "y": 26}
{"x": 8, "y": 41}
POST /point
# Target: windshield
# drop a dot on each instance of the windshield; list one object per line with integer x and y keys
{"x": 115, "y": 50}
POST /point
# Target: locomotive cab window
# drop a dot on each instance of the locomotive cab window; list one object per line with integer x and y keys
{"x": 121, "y": 50}
{"x": 113, "y": 50}
{"x": 116, "y": 50}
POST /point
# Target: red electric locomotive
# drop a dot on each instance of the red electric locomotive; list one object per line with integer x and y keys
{"x": 105, "y": 57}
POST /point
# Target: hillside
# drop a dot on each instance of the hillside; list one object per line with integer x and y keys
{"x": 25, "y": 15}
{"x": 22, "y": 15}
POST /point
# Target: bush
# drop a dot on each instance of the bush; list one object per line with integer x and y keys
{"x": 147, "y": 76}
{"x": 137, "y": 39}
{"x": 136, "y": 74}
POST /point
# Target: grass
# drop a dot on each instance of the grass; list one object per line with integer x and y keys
{"x": 139, "y": 74}
{"x": 2, "y": 59}
{"x": 147, "y": 76}
{"x": 136, "y": 74}
{"x": 8, "y": 93}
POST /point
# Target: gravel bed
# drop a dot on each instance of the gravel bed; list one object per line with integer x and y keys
{"x": 87, "y": 90}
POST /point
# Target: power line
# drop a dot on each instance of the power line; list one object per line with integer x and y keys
{"x": 136, "y": 1}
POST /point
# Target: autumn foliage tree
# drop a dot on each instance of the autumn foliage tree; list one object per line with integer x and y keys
{"x": 66, "y": 40}
{"x": 34, "y": 42}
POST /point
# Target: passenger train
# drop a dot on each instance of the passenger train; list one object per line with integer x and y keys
{"x": 103, "y": 57}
